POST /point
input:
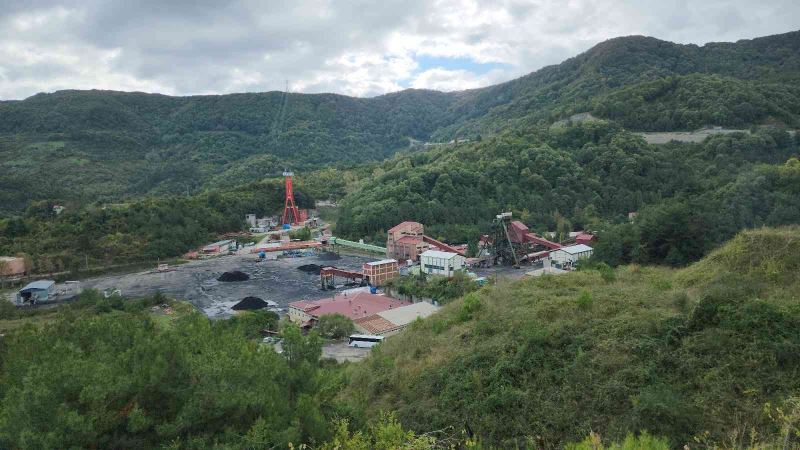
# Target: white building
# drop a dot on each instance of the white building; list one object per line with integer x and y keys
{"x": 441, "y": 263}
{"x": 566, "y": 257}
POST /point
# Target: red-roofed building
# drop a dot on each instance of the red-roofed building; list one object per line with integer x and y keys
{"x": 405, "y": 241}
{"x": 585, "y": 238}
{"x": 353, "y": 306}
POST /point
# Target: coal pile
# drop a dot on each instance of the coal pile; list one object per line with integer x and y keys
{"x": 250, "y": 304}
{"x": 328, "y": 256}
{"x": 310, "y": 268}
{"x": 233, "y": 276}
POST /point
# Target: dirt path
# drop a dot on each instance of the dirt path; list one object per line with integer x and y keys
{"x": 684, "y": 136}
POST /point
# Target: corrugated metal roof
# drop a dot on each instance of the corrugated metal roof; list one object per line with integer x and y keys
{"x": 438, "y": 254}
{"x": 362, "y": 304}
{"x": 575, "y": 249}
{"x": 38, "y": 285}
{"x": 407, "y": 314}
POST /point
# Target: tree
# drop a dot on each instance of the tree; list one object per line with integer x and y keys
{"x": 335, "y": 326}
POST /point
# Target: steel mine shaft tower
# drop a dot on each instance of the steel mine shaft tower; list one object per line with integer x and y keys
{"x": 291, "y": 214}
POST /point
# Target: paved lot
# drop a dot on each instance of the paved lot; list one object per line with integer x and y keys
{"x": 196, "y": 281}
{"x": 342, "y": 352}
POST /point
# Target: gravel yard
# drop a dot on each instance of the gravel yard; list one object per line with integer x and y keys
{"x": 196, "y": 281}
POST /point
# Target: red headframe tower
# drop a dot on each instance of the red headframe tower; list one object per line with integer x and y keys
{"x": 290, "y": 212}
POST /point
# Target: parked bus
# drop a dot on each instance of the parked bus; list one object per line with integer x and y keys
{"x": 365, "y": 340}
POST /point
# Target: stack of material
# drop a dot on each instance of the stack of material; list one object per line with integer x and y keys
{"x": 310, "y": 268}
{"x": 233, "y": 276}
{"x": 250, "y": 304}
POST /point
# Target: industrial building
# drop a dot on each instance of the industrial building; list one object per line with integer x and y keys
{"x": 567, "y": 257}
{"x": 353, "y": 306}
{"x": 378, "y": 272}
{"x": 404, "y": 241}
{"x": 441, "y": 263}
{"x": 37, "y": 292}
{"x": 11, "y": 267}
{"x": 218, "y": 247}
{"x": 407, "y": 241}
{"x": 393, "y": 321}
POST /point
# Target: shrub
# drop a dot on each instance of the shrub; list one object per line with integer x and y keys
{"x": 606, "y": 272}
{"x": 303, "y": 234}
{"x": 642, "y": 442}
{"x": 585, "y": 300}
{"x": 471, "y": 305}
{"x": 680, "y": 300}
{"x": 7, "y": 310}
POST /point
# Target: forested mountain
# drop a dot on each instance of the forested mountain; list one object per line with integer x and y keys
{"x": 101, "y": 145}
{"x": 690, "y": 197}
{"x": 556, "y": 92}
{"x": 98, "y": 145}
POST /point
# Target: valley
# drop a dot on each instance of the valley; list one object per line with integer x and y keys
{"x": 602, "y": 253}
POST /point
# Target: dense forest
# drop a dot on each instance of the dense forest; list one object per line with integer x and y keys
{"x": 693, "y": 101}
{"x": 102, "y": 145}
{"x": 689, "y": 197}
{"x": 651, "y": 358}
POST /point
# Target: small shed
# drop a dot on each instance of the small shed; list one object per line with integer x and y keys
{"x": 37, "y": 292}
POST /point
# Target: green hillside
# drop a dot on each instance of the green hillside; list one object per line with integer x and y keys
{"x": 103, "y": 145}
{"x": 704, "y": 352}
{"x": 556, "y": 92}
{"x": 690, "y": 197}
{"x": 693, "y": 101}
{"x": 140, "y": 230}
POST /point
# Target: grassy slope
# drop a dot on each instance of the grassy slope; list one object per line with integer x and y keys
{"x": 12, "y": 319}
{"x": 678, "y": 353}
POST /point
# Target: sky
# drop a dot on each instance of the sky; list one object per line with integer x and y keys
{"x": 360, "y": 48}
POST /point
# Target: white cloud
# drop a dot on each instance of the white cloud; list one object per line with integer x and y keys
{"x": 203, "y": 46}
{"x": 454, "y": 80}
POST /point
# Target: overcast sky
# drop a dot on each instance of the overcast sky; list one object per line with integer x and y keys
{"x": 362, "y": 48}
